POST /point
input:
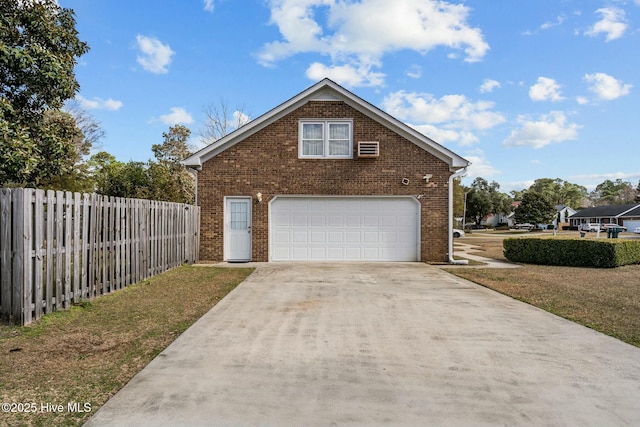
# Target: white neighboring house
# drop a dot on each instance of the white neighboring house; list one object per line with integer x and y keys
{"x": 565, "y": 213}
{"x": 626, "y": 215}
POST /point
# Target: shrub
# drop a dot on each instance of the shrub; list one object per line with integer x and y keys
{"x": 573, "y": 252}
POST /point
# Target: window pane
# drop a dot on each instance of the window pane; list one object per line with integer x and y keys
{"x": 339, "y": 131}
{"x": 339, "y": 148}
{"x": 312, "y": 148}
{"x": 239, "y": 215}
{"x": 312, "y": 131}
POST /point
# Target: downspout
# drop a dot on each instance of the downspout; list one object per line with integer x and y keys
{"x": 450, "y": 230}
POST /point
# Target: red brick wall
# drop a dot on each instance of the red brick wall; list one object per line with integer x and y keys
{"x": 267, "y": 162}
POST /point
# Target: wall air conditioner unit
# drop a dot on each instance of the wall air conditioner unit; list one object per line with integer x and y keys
{"x": 368, "y": 149}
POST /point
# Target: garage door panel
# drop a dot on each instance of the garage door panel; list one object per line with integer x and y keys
{"x": 281, "y": 237}
{"x": 318, "y": 221}
{"x": 336, "y": 220}
{"x": 318, "y": 253}
{"x": 353, "y": 221}
{"x": 335, "y": 236}
{"x": 300, "y": 237}
{"x": 371, "y": 237}
{"x": 300, "y": 220}
{"x": 318, "y": 237}
{"x": 353, "y": 254}
{"x": 344, "y": 228}
{"x": 352, "y": 237}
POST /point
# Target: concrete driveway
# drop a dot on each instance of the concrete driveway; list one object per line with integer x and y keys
{"x": 402, "y": 344}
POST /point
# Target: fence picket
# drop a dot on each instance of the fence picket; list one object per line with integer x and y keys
{"x": 27, "y": 248}
{"x": 39, "y": 218}
{"x": 51, "y": 206}
{"x": 5, "y": 254}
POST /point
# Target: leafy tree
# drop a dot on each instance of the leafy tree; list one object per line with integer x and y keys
{"x": 38, "y": 50}
{"x": 558, "y": 191}
{"x": 536, "y": 208}
{"x": 164, "y": 179}
{"x": 458, "y": 198}
{"x": 171, "y": 181}
{"x": 484, "y": 198}
{"x": 613, "y": 192}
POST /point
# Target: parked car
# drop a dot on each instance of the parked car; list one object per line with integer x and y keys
{"x": 591, "y": 226}
{"x": 605, "y": 227}
{"x": 636, "y": 230}
{"x": 524, "y": 226}
{"x": 458, "y": 233}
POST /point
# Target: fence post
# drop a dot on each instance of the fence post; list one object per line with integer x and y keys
{"x": 5, "y": 254}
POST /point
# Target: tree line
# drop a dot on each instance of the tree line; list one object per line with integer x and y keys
{"x": 537, "y": 204}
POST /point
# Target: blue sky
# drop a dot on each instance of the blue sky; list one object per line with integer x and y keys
{"x": 523, "y": 89}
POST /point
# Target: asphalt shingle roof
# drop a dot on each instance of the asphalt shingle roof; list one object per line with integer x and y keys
{"x": 607, "y": 211}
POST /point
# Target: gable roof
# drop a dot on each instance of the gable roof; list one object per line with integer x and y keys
{"x": 327, "y": 90}
{"x": 607, "y": 211}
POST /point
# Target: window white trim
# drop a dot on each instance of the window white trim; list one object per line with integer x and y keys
{"x": 324, "y": 138}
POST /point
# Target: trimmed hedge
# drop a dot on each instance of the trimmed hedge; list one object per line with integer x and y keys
{"x": 573, "y": 252}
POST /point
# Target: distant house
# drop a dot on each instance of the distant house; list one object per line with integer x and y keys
{"x": 565, "y": 212}
{"x": 625, "y": 215}
{"x": 492, "y": 220}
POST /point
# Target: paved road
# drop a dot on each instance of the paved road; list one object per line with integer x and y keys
{"x": 402, "y": 344}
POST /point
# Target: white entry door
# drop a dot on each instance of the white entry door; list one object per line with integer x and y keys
{"x": 237, "y": 229}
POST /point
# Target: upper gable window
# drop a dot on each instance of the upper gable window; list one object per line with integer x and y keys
{"x": 325, "y": 139}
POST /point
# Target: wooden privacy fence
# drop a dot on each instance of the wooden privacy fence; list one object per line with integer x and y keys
{"x": 59, "y": 248}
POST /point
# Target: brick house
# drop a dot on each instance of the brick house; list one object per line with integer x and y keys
{"x": 325, "y": 176}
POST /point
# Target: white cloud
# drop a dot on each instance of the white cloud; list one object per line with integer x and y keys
{"x": 507, "y": 187}
{"x": 154, "y": 56}
{"x": 582, "y": 100}
{"x": 626, "y": 176}
{"x": 361, "y": 33}
{"x": 98, "y": 104}
{"x": 445, "y": 136}
{"x": 415, "y": 71}
{"x": 545, "y": 90}
{"x": 549, "y": 128}
{"x": 346, "y": 74}
{"x": 452, "y": 118}
{"x": 550, "y": 24}
{"x": 208, "y": 5}
{"x": 488, "y": 85}
{"x": 177, "y": 115}
{"x": 241, "y": 118}
{"x": 480, "y": 166}
{"x": 455, "y": 110}
{"x": 607, "y": 87}
{"x": 613, "y": 23}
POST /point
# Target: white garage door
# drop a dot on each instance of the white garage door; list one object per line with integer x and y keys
{"x": 631, "y": 225}
{"x": 344, "y": 229}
